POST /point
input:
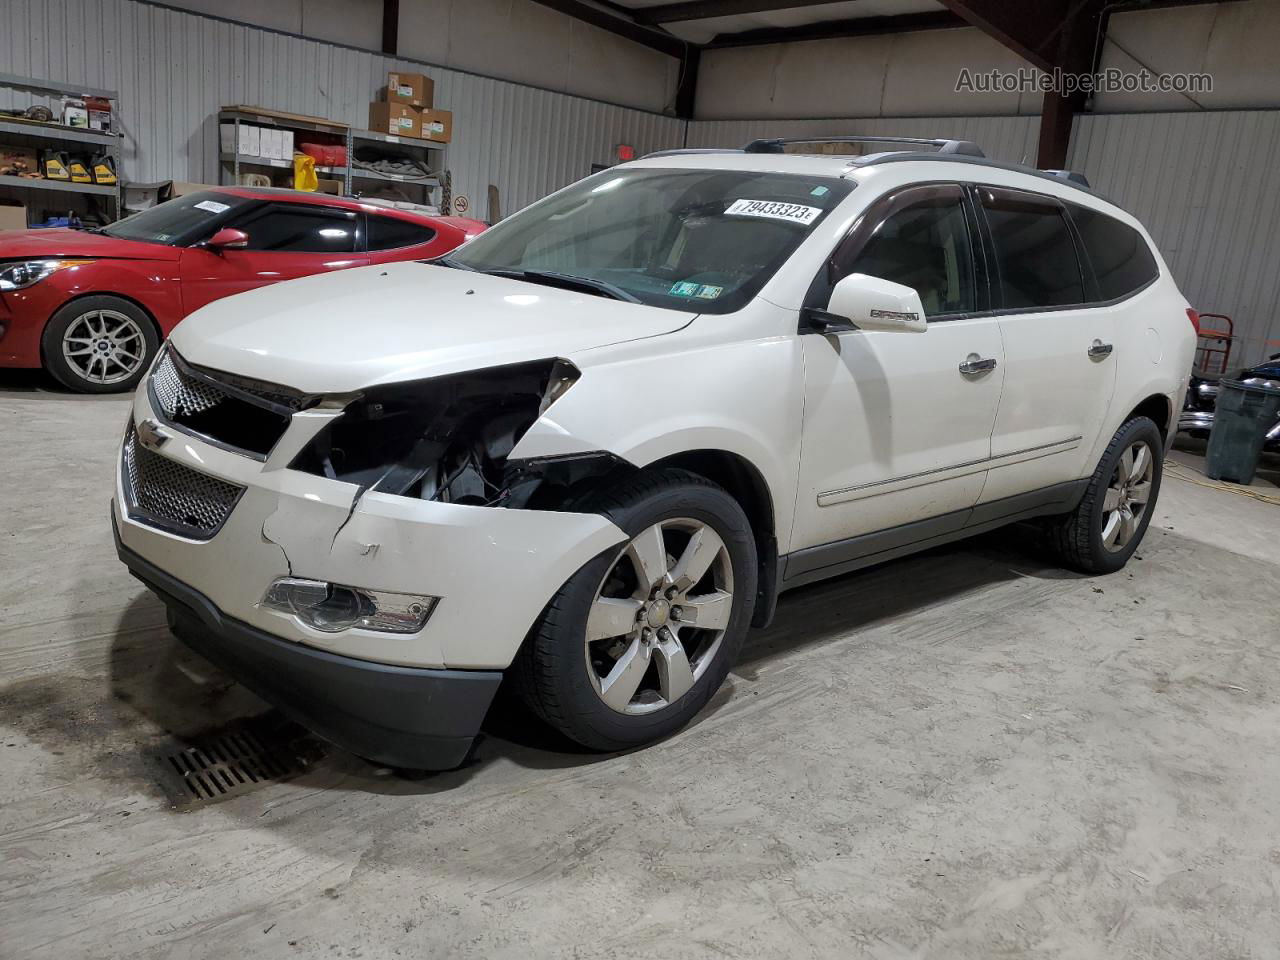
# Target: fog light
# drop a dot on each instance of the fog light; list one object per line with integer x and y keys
{"x": 332, "y": 607}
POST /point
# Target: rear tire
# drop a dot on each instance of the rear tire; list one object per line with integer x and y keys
{"x": 617, "y": 658}
{"x": 1106, "y": 527}
{"x": 99, "y": 344}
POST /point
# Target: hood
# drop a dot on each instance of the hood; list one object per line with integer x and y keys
{"x": 351, "y": 329}
{"x": 61, "y": 242}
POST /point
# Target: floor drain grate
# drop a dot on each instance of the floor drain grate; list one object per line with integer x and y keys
{"x": 234, "y": 760}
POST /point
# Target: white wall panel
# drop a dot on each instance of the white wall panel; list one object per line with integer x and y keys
{"x": 518, "y": 40}
{"x": 1207, "y": 186}
{"x": 895, "y": 75}
{"x": 174, "y": 69}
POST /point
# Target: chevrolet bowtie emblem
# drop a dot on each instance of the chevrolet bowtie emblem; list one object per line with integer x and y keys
{"x": 150, "y": 434}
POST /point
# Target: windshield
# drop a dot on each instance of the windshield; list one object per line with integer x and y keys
{"x": 179, "y": 222}
{"x": 704, "y": 240}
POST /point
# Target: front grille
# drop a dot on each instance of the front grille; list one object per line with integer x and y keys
{"x": 164, "y": 493}
{"x": 180, "y": 395}
{"x": 246, "y": 416}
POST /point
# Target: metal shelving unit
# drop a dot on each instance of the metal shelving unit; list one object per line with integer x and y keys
{"x": 240, "y": 160}
{"x": 429, "y": 151}
{"x": 63, "y": 186}
{"x": 32, "y": 133}
{"x": 230, "y": 163}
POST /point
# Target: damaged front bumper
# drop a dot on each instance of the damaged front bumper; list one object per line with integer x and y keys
{"x": 493, "y": 570}
{"x": 414, "y": 718}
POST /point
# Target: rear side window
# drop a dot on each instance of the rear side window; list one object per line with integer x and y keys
{"x": 1121, "y": 260}
{"x": 293, "y": 228}
{"x": 1035, "y": 254}
{"x": 388, "y": 233}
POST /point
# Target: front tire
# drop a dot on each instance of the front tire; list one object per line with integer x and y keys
{"x": 99, "y": 344}
{"x": 1107, "y": 526}
{"x": 637, "y": 641}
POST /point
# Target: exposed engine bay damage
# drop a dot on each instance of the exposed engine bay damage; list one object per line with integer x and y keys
{"x": 447, "y": 440}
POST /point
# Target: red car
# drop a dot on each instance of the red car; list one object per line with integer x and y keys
{"x": 91, "y": 306}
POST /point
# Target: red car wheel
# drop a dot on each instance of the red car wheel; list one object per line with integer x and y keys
{"x": 99, "y": 344}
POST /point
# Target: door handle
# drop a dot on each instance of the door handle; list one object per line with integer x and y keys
{"x": 974, "y": 364}
{"x": 1098, "y": 350}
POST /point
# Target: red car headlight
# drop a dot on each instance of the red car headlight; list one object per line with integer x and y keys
{"x": 17, "y": 276}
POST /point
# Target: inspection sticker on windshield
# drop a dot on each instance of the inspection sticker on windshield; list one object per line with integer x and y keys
{"x": 703, "y": 291}
{"x": 774, "y": 210}
{"x": 213, "y": 206}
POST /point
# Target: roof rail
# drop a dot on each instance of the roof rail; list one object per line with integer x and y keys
{"x": 686, "y": 150}
{"x": 775, "y": 145}
{"x": 1071, "y": 175}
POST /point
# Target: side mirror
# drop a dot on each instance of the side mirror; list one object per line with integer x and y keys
{"x": 861, "y": 302}
{"x": 228, "y": 238}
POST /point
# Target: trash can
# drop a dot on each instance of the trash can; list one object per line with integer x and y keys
{"x": 1241, "y": 418}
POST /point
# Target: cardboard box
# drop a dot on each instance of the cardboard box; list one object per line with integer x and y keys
{"x": 182, "y": 188}
{"x": 250, "y": 140}
{"x": 437, "y": 125}
{"x": 227, "y": 138}
{"x": 18, "y": 161}
{"x": 279, "y": 150}
{"x": 324, "y": 185}
{"x": 397, "y": 119}
{"x": 13, "y": 215}
{"x": 412, "y": 88}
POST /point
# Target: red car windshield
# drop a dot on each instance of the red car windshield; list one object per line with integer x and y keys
{"x": 180, "y": 222}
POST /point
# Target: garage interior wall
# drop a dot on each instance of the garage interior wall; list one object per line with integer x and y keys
{"x": 1220, "y": 235}
{"x": 174, "y": 69}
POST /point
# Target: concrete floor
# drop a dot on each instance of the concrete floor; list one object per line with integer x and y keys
{"x": 967, "y": 754}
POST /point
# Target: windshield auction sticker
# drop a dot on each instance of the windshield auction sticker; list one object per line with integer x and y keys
{"x": 774, "y": 210}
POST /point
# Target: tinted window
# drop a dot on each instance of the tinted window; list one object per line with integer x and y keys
{"x": 181, "y": 221}
{"x": 924, "y": 245}
{"x": 1121, "y": 260}
{"x": 386, "y": 233}
{"x": 289, "y": 228}
{"x": 1035, "y": 254}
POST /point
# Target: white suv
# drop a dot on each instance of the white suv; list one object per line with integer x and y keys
{"x": 589, "y": 448}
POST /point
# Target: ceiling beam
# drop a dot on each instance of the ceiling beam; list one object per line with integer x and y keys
{"x": 709, "y": 9}
{"x": 1029, "y": 28}
{"x": 830, "y": 29}
{"x": 687, "y": 87}
{"x": 636, "y": 32}
{"x": 391, "y": 27}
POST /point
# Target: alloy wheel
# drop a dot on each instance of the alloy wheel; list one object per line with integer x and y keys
{"x": 659, "y": 616}
{"x": 1127, "y": 496}
{"x": 104, "y": 346}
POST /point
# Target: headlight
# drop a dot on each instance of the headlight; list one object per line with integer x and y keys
{"x": 17, "y": 276}
{"x": 444, "y": 439}
{"x": 333, "y": 607}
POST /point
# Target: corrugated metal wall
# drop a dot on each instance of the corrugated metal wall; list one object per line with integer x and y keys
{"x": 1207, "y": 186}
{"x": 1012, "y": 139}
{"x": 174, "y": 70}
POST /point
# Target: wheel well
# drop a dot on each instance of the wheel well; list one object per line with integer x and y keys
{"x": 742, "y": 481}
{"x": 1157, "y": 409}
